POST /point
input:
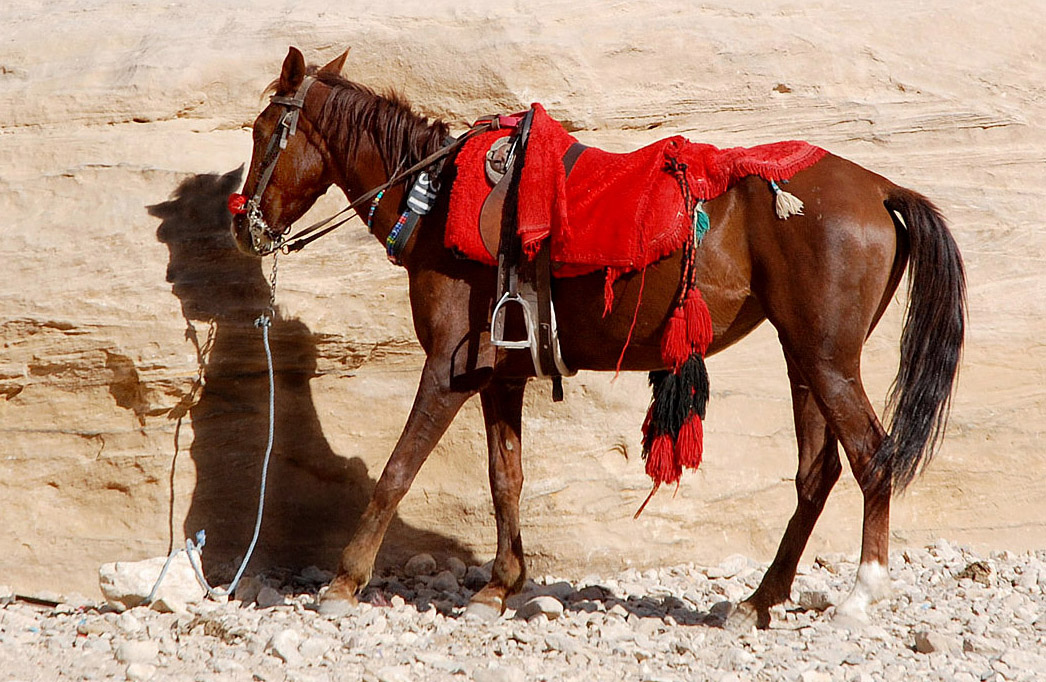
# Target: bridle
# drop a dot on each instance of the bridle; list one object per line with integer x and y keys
{"x": 263, "y": 239}
{"x": 285, "y": 127}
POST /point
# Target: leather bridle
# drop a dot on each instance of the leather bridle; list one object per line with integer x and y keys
{"x": 285, "y": 127}
{"x": 264, "y": 240}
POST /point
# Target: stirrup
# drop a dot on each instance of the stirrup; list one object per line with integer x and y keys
{"x": 497, "y": 325}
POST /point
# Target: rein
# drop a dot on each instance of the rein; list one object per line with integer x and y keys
{"x": 239, "y": 204}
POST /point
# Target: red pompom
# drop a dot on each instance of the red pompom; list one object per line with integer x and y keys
{"x": 690, "y": 443}
{"x": 661, "y": 463}
{"x": 698, "y": 322}
{"x": 237, "y": 204}
{"x": 674, "y": 346}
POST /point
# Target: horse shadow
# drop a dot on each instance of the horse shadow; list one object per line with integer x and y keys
{"x": 314, "y": 496}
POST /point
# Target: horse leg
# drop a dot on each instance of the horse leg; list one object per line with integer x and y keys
{"x": 503, "y": 411}
{"x": 819, "y": 469}
{"x": 836, "y": 386}
{"x": 434, "y": 408}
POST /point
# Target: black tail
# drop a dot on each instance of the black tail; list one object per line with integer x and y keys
{"x": 931, "y": 343}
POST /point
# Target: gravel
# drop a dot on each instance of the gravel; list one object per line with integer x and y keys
{"x": 946, "y": 621}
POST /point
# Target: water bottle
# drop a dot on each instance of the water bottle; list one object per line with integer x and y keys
{"x": 422, "y": 195}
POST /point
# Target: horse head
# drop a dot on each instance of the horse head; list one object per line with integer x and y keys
{"x": 290, "y": 164}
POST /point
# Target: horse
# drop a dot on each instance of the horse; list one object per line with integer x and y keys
{"x": 823, "y": 284}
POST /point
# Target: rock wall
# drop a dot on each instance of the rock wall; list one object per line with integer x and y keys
{"x": 132, "y": 380}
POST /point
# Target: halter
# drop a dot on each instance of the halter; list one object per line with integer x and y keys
{"x": 259, "y": 230}
{"x": 287, "y": 126}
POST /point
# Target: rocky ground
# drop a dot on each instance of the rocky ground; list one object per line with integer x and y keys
{"x": 954, "y": 616}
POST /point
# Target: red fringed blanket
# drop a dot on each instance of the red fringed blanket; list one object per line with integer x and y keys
{"x": 622, "y": 212}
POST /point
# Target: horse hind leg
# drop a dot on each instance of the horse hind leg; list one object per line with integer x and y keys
{"x": 502, "y": 411}
{"x": 849, "y": 414}
{"x": 818, "y": 470}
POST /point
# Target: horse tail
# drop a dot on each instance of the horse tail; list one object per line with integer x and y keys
{"x": 931, "y": 342}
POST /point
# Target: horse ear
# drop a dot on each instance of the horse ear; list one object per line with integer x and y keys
{"x": 336, "y": 64}
{"x": 293, "y": 72}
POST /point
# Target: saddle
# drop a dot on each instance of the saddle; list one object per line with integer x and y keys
{"x": 523, "y": 284}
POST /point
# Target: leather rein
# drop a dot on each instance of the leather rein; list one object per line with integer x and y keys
{"x": 288, "y": 124}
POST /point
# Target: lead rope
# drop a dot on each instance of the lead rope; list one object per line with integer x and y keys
{"x": 194, "y": 549}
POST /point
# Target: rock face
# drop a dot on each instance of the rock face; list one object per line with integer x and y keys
{"x": 133, "y": 397}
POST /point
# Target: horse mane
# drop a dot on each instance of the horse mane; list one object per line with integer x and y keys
{"x": 353, "y": 111}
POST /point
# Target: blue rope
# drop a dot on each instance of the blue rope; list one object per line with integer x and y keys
{"x": 194, "y": 549}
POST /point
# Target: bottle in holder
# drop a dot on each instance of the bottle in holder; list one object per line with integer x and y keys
{"x": 422, "y": 195}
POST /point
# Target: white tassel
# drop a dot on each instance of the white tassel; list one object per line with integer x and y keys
{"x": 787, "y": 204}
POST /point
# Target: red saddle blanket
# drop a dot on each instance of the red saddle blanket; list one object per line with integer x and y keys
{"x": 616, "y": 211}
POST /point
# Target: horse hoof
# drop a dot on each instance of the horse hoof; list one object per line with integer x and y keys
{"x": 482, "y": 612}
{"x": 337, "y": 600}
{"x": 336, "y": 608}
{"x": 850, "y": 618}
{"x": 739, "y": 618}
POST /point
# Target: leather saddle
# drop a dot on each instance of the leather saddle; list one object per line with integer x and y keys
{"x": 502, "y": 169}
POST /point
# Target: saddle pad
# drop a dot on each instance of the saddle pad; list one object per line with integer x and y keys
{"x": 622, "y": 211}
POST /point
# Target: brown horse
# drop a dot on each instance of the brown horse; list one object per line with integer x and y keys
{"x": 822, "y": 279}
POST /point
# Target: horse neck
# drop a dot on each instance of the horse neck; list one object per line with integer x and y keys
{"x": 370, "y": 139}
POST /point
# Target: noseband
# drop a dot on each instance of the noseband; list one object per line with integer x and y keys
{"x": 239, "y": 204}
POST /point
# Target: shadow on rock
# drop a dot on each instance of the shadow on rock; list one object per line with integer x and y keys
{"x": 315, "y": 497}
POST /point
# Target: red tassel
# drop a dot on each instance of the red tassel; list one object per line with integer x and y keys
{"x": 674, "y": 346}
{"x": 690, "y": 443}
{"x": 661, "y": 463}
{"x": 698, "y": 321}
{"x": 608, "y": 291}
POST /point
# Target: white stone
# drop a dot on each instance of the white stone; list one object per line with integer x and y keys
{"x": 126, "y": 584}
{"x": 729, "y": 567}
{"x": 548, "y": 606}
{"x": 140, "y": 672}
{"x": 135, "y": 651}
{"x": 284, "y": 645}
{"x": 396, "y": 673}
{"x": 928, "y": 642}
{"x": 225, "y": 666}
{"x": 814, "y": 600}
{"x": 314, "y": 648}
{"x": 128, "y": 623}
{"x": 500, "y": 673}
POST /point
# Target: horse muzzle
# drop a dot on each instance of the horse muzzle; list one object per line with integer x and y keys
{"x": 249, "y": 228}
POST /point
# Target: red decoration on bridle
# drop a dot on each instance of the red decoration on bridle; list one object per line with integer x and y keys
{"x": 237, "y": 204}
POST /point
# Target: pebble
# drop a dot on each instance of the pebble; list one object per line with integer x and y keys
{"x": 814, "y": 600}
{"x": 457, "y": 567}
{"x": 139, "y": 672}
{"x": 284, "y": 645}
{"x": 655, "y": 624}
{"x": 547, "y": 606}
{"x": 419, "y": 565}
{"x": 135, "y": 651}
{"x": 268, "y": 597}
{"x": 126, "y": 584}
{"x": 928, "y": 642}
{"x": 445, "y": 581}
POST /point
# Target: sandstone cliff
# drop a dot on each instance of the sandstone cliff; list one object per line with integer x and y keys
{"x": 132, "y": 387}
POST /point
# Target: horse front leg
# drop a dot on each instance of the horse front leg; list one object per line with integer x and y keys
{"x": 503, "y": 413}
{"x": 434, "y": 408}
